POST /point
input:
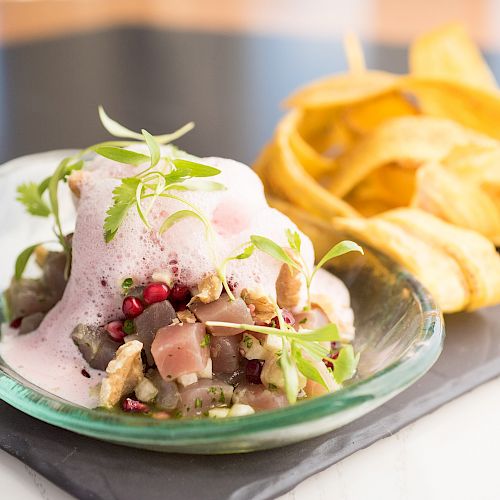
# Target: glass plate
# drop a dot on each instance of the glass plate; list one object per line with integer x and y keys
{"x": 399, "y": 333}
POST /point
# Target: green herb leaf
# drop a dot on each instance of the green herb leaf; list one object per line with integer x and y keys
{"x": 273, "y": 249}
{"x": 289, "y": 374}
{"x": 122, "y": 155}
{"x": 344, "y": 367}
{"x": 127, "y": 284}
{"x": 294, "y": 240}
{"x": 246, "y": 253}
{"x": 205, "y": 341}
{"x": 118, "y": 130}
{"x": 339, "y": 249}
{"x": 123, "y": 200}
{"x": 54, "y": 202}
{"x": 327, "y": 333}
{"x": 193, "y": 169}
{"x": 176, "y": 217}
{"x": 308, "y": 369}
{"x": 29, "y": 195}
{"x": 154, "y": 148}
{"x": 206, "y": 186}
{"x": 22, "y": 260}
{"x": 128, "y": 327}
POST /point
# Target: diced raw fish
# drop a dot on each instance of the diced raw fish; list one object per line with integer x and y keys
{"x": 179, "y": 349}
{"x": 258, "y": 397}
{"x": 312, "y": 319}
{"x": 150, "y": 321}
{"x": 96, "y": 346}
{"x": 225, "y": 352}
{"x": 168, "y": 392}
{"x": 28, "y": 296}
{"x": 31, "y": 322}
{"x": 53, "y": 274}
{"x": 235, "y": 378}
{"x": 223, "y": 309}
{"x": 198, "y": 398}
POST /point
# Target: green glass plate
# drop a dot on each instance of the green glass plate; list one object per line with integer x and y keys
{"x": 399, "y": 333}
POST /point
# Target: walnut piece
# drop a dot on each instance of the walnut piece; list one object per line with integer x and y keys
{"x": 75, "y": 181}
{"x": 41, "y": 255}
{"x": 186, "y": 316}
{"x": 265, "y": 308}
{"x": 210, "y": 289}
{"x": 124, "y": 373}
{"x": 289, "y": 285}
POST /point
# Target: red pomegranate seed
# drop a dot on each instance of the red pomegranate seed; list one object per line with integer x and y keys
{"x": 16, "y": 323}
{"x": 115, "y": 330}
{"x": 180, "y": 293}
{"x": 133, "y": 406}
{"x": 155, "y": 292}
{"x": 288, "y": 318}
{"x": 132, "y": 307}
{"x": 253, "y": 371}
{"x": 327, "y": 362}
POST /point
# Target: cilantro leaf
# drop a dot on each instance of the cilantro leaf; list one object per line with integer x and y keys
{"x": 308, "y": 369}
{"x": 22, "y": 260}
{"x": 193, "y": 169}
{"x": 29, "y": 195}
{"x": 339, "y": 249}
{"x": 273, "y": 249}
{"x": 344, "y": 367}
{"x": 122, "y": 155}
{"x": 123, "y": 200}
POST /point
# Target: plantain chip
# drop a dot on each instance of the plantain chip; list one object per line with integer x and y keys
{"x": 364, "y": 117}
{"x": 448, "y": 53}
{"x": 435, "y": 268}
{"x": 343, "y": 89}
{"x": 475, "y": 254}
{"x": 408, "y": 141}
{"x": 457, "y": 201}
{"x": 472, "y": 107}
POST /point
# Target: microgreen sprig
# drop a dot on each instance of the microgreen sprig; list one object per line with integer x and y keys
{"x": 42, "y": 199}
{"x": 268, "y": 246}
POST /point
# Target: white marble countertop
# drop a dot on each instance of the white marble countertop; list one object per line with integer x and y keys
{"x": 450, "y": 453}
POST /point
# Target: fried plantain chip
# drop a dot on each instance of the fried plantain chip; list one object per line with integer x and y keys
{"x": 343, "y": 89}
{"x": 472, "y": 107}
{"x": 434, "y": 267}
{"x": 457, "y": 201}
{"x": 408, "y": 141}
{"x": 448, "y": 53}
{"x": 475, "y": 254}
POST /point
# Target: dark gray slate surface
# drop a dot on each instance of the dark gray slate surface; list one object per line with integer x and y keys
{"x": 90, "y": 469}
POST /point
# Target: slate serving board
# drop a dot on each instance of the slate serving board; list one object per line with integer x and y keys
{"x": 231, "y": 86}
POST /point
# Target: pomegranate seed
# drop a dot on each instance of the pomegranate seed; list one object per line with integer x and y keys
{"x": 180, "y": 293}
{"x": 85, "y": 373}
{"x": 156, "y": 292}
{"x": 132, "y": 307}
{"x": 328, "y": 363}
{"x": 288, "y": 318}
{"x": 134, "y": 406}
{"x": 253, "y": 371}
{"x": 115, "y": 330}
{"x": 16, "y": 323}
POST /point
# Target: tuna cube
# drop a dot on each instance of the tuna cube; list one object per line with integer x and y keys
{"x": 223, "y": 309}
{"x": 225, "y": 352}
{"x": 179, "y": 349}
{"x": 197, "y": 399}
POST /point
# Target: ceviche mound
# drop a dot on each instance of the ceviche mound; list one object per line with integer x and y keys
{"x": 180, "y": 293}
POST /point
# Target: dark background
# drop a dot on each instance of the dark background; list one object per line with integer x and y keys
{"x": 232, "y": 86}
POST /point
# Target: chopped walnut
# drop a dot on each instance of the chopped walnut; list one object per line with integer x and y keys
{"x": 41, "y": 255}
{"x": 186, "y": 316}
{"x": 124, "y": 373}
{"x": 264, "y": 308}
{"x": 75, "y": 181}
{"x": 210, "y": 289}
{"x": 288, "y": 285}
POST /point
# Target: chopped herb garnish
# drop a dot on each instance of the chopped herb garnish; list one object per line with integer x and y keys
{"x": 272, "y": 387}
{"x": 303, "y": 321}
{"x": 127, "y": 284}
{"x": 205, "y": 341}
{"x": 248, "y": 341}
{"x": 128, "y": 327}
{"x": 222, "y": 398}
{"x": 198, "y": 403}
